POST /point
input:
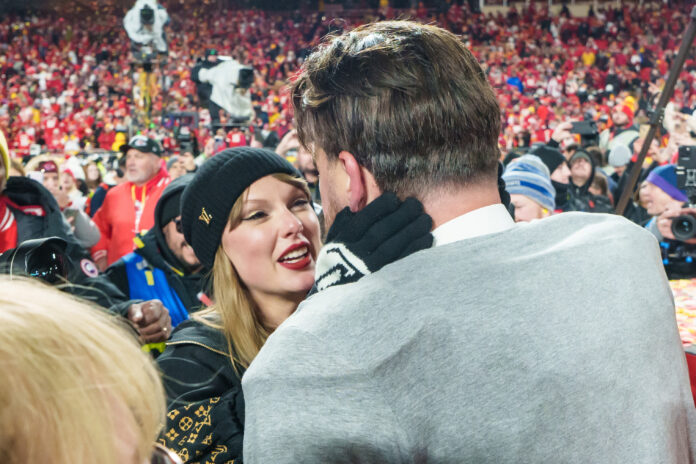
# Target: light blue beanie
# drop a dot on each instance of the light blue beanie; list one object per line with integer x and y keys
{"x": 529, "y": 176}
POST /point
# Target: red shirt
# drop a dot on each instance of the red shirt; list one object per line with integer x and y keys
{"x": 127, "y": 211}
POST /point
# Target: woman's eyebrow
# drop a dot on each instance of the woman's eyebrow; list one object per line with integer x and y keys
{"x": 255, "y": 201}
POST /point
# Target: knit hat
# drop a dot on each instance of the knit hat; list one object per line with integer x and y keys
{"x": 143, "y": 144}
{"x": 529, "y": 176}
{"x": 171, "y": 162}
{"x": 551, "y": 157}
{"x": 665, "y": 177}
{"x": 580, "y": 154}
{"x": 628, "y": 111}
{"x": 5, "y": 153}
{"x": 620, "y": 155}
{"x": 207, "y": 201}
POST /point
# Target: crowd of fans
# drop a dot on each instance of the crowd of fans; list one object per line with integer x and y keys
{"x": 67, "y": 81}
{"x": 575, "y": 95}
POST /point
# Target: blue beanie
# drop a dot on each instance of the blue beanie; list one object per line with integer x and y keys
{"x": 529, "y": 176}
{"x": 665, "y": 177}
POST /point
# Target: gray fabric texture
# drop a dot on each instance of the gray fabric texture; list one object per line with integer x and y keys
{"x": 554, "y": 341}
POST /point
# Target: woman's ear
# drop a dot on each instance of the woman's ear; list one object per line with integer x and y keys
{"x": 362, "y": 187}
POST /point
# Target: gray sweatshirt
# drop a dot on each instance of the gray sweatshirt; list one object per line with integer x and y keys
{"x": 554, "y": 341}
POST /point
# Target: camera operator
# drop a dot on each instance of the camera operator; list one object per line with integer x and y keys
{"x": 144, "y": 24}
{"x": 669, "y": 194}
{"x": 230, "y": 94}
{"x": 29, "y": 219}
{"x": 204, "y": 89}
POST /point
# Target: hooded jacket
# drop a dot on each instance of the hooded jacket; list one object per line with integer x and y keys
{"x": 580, "y": 198}
{"x": 85, "y": 280}
{"x": 154, "y": 254}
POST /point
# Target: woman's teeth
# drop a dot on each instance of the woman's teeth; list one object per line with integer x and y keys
{"x": 295, "y": 255}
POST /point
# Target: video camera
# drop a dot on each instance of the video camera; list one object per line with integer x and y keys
{"x": 44, "y": 258}
{"x": 147, "y": 16}
{"x": 684, "y": 226}
{"x": 588, "y": 132}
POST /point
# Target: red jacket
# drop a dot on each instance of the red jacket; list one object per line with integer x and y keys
{"x": 117, "y": 217}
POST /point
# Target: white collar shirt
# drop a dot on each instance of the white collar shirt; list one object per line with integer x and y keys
{"x": 487, "y": 220}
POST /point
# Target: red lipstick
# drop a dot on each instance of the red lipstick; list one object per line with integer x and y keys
{"x": 301, "y": 262}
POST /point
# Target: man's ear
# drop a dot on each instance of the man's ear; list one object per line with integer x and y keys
{"x": 362, "y": 188}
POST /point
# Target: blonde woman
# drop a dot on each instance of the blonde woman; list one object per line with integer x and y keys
{"x": 76, "y": 387}
{"x": 248, "y": 216}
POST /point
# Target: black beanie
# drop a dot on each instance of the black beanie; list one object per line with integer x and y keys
{"x": 170, "y": 208}
{"x": 207, "y": 201}
{"x": 551, "y": 157}
{"x": 169, "y": 205}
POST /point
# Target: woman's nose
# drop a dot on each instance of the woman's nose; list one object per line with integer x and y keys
{"x": 291, "y": 224}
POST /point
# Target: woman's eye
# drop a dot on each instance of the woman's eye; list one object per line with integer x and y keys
{"x": 300, "y": 202}
{"x": 254, "y": 216}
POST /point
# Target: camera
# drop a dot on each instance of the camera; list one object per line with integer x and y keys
{"x": 44, "y": 258}
{"x": 684, "y": 226}
{"x": 588, "y": 132}
{"x": 245, "y": 77}
{"x": 147, "y": 16}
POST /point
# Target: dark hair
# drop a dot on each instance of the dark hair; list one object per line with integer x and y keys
{"x": 600, "y": 182}
{"x": 409, "y": 101}
{"x": 597, "y": 155}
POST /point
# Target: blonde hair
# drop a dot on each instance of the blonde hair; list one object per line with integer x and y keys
{"x": 234, "y": 310}
{"x": 74, "y": 381}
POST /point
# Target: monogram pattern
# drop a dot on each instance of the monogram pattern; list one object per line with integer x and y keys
{"x": 190, "y": 434}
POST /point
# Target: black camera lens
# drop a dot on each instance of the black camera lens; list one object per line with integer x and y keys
{"x": 246, "y": 77}
{"x": 684, "y": 227}
{"x": 47, "y": 264}
{"x": 147, "y": 16}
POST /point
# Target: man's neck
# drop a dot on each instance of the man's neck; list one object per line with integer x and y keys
{"x": 443, "y": 205}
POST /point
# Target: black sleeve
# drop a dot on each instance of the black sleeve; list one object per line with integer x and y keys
{"x": 97, "y": 200}
{"x": 553, "y": 144}
{"x": 86, "y": 282}
{"x": 118, "y": 276}
{"x": 192, "y": 373}
{"x": 205, "y": 418}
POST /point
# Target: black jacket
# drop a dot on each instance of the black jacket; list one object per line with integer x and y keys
{"x": 154, "y": 250}
{"x": 205, "y": 416}
{"x": 85, "y": 281}
{"x": 580, "y": 198}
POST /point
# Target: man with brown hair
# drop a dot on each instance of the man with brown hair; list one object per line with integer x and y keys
{"x": 461, "y": 352}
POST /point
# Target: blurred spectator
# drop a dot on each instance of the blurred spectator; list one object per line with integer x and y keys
{"x": 129, "y": 208}
{"x": 659, "y": 193}
{"x": 29, "y": 211}
{"x": 97, "y": 199}
{"x": 93, "y": 176}
{"x": 163, "y": 266}
{"x": 582, "y": 174}
{"x": 85, "y": 230}
{"x": 175, "y": 168}
{"x": 560, "y": 173}
{"x": 84, "y": 390}
{"x": 529, "y": 185}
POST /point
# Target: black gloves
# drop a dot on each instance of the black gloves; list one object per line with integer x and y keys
{"x": 504, "y": 195}
{"x": 360, "y": 243}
